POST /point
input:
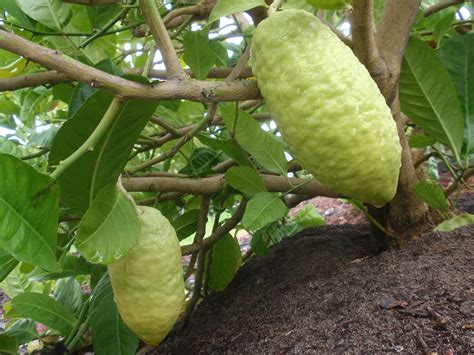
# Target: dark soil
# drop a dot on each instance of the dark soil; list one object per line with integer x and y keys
{"x": 324, "y": 291}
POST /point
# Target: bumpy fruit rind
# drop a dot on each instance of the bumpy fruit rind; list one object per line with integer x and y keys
{"x": 327, "y": 107}
{"x": 148, "y": 282}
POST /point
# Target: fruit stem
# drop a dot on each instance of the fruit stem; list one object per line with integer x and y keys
{"x": 71, "y": 340}
{"x": 274, "y": 7}
{"x": 104, "y": 124}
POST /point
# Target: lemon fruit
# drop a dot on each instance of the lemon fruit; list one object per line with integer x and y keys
{"x": 148, "y": 282}
{"x": 326, "y": 106}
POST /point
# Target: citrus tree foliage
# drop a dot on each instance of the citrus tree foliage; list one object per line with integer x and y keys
{"x": 153, "y": 103}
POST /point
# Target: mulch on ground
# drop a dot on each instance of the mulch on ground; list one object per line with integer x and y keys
{"x": 325, "y": 291}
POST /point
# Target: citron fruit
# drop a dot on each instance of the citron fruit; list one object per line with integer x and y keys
{"x": 148, "y": 282}
{"x": 326, "y": 106}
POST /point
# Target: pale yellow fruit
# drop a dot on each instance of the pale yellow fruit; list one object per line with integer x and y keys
{"x": 148, "y": 282}
{"x": 327, "y": 107}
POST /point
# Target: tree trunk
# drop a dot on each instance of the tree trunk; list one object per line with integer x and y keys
{"x": 406, "y": 216}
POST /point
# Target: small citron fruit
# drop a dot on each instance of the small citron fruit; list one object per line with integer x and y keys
{"x": 148, "y": 282}
{"x": 326, "y": 106}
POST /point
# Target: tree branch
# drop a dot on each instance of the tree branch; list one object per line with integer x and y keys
{"x": 201, "y": 9}
{"x": 441, "y": 6}
{"x": 391, "y": 38}
{"x": 394, "y": 29}
{"x": 162, "y": 39}
{"x": 53, "y": 77}
{"x": 363, "y": 38}
{"x": 193, "y": 90}
{"x": 210, "y": 185}
{"x": 32, "y": 80}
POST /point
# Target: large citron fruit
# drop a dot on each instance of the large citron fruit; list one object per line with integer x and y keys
{"x": 148, "y": 282}
{"x": 327, "y": 107}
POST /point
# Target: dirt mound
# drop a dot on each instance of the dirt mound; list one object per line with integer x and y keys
{"x": 324, "y": 290}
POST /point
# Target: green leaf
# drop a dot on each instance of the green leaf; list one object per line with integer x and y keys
{"x": 29, "y": 210}
{"x": 83, "y": 91}
{"x": 70, "y": 266}
{"x": 228, "y": 146}
{"x": 68, "y": 292}
{"x": 51, "y": 13}
{"x": 17, "y": 283}
{"x": 82, "y": 181}
{"x": 277, "y": 233}
{"x": 220, "y": 53}
{"x": 12, "y": 8}
{"x": 245, "y": 179}
{"x": 8, "y": 147}
{"x": 229, "y": 7}
{"x": 457, "y": 54}
{"x": 420, "y": 141}
{"x": 297, "y": 5}
{"x": 456, "y": 222}
{"x": 109, "y": 229}
{"x": 258, "y": 243}
{"x": 309, "y": 217}
{"x": 8, "y": 344}
{"x": 46, "y": 310}
{"x": 263, "y": 146}
{"x": 101, "y": 15}
{"x": 198, "y": 54}
{"x": 63, "y": 92}
{"x": 9, "y": 107}
{"x": 262, "y": 209}
{"x": 442, "y": 26}
{"x": 225, "y": 260}
{"x": 7, "y": 264}
{"x": 186, "y": 224}
{"x": 428, "y": 97}
{"x": 201, "y": 162}
{"x": 432, "y": 194}
{"x": 110, "y": 335}
{"x": 329, "y": 4}
{"x": 24, "y": 330}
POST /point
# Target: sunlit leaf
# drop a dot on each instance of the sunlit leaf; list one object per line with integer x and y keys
{"x": 109, "y": 229}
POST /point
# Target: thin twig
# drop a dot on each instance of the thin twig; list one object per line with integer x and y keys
{"x": 107, "y": 26}
{"x": 441, "y": 6}
{"x": 198, "y": 278}
{"x": 219, "y": 232}
{"x": 165, "y": 125}
{"x": 181, "y": 142}
{"x": 451, "y": 188}
{"x": 274, "y": 7}
{"x": 40, "y": 153}
{"x": 425, "y": 158}
{"x": 336, "y": 31}
{"x": 200, "y": 231}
